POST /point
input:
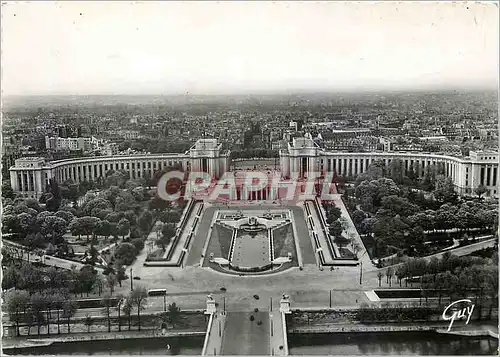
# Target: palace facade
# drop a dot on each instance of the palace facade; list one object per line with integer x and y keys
{"x": 29, "y": 176}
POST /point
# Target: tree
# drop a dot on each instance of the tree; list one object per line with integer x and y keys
{"x": 127, "y": 310}
{"x": 335, "y": 229}
{"x": 389, "y": 273}
{"x": 53, "y": 201}
{"x": 116, "y": 178}
{"x": 400, "y": 273}
{"x": 399, "y": 205}
{"x": 16, "y": 303}
{"x": 131, "y": 216}
{"x": 111, "y": 194}
{"x": 88, "y": 225}
{"x": 107, "y": 304}
{"x": 480, "y": 190}
{"x": 145, "y": 221}
{"x": 87, "y": 278}
{"x": 373, "y": 191}
{"x": 167, "y": 232}
{"x": 69, "y": 190}
{"x": 445, "y": 190}
{"x": 58, "y": 298}
{"x": 92, "y": 207}
{"x": 429, "y": 181}
{"x": 126, "y": 253}
{"x": 173, "y": 315}
{"x": 125, "y": 201}
{"x": 89, "y": 321}
{"x": 53, "y": 226}
{"x": 358, "y": 217}
{"x": 375, "y": 171}
{"x": 104, "y": 229}
{"x": 111, "y": 282}
{"x": 114, "y": 217}
{"x": 26, "y": 223}
{"x": 38, "y": 304}
{"x": 75, "y": 227}
{"x": 120, "y": 299}
{"x": 10, "y": 275}
{"x": 123, "y": 227}
{"x": 396, "y": 171}
{"x": 69, "y": 308}
{"x": 120, "y": 273}
{"x": 138, "y": 298}
{"x": 7, "y": 191}
{"x": 66, "y": 215}
{"x": 32, "y": 203}
{"x": 332, "y": 214}
{"x": 157, "y": 203}
{"x": 445, "y": 218}
{"x": 10, "y": 223}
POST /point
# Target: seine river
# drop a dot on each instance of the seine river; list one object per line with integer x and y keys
{"x": 394, "y": 343}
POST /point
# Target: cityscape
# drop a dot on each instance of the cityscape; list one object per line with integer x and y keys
{"x": 327, "y": 198}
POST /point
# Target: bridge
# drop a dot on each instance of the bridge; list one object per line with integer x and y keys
{"x": 246, "y": 333}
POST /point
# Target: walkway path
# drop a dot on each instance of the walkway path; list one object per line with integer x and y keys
{"x": 278, "y": 342}
{"x": 351, "y": 231}
{"x": 48, "y": 259}
{"x": 460, "y": 251}
{"x": 245, "y": 337}
{"x": 215, "y": 337}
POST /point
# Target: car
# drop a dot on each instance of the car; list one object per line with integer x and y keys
{"x": 137, "y": 278}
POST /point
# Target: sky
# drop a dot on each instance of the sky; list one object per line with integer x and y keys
{"x": 82, "y": 48}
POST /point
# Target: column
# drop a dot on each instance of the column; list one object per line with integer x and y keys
{"x": 38, "y": 182}
{"x": 79, "y": 173}
{"x": 29, "y": 180}
{"x": 13, "y": 181}
{"x": 23, "y": 185}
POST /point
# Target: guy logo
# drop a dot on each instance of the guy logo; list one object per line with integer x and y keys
{"x": 458, "y": 314}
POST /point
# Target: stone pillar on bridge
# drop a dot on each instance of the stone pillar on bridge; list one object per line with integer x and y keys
{"x": 211, "y": 308}
{"x": 285, "y": 304}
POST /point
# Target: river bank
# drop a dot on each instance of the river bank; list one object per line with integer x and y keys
{"x": 42, "y": 341}
{"x": 439, "y": 327}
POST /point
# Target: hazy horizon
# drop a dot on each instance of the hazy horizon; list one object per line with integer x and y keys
{"x": 243, "y": 48}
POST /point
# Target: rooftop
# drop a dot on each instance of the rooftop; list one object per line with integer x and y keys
{"x": 303, "y": 143}
{"x": 203, "y": 144}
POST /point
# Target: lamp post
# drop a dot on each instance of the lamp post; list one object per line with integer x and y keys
{"x": 131, "y": 281}
{"x": 330, "y": 299}
{"x": 361, "y": 273}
